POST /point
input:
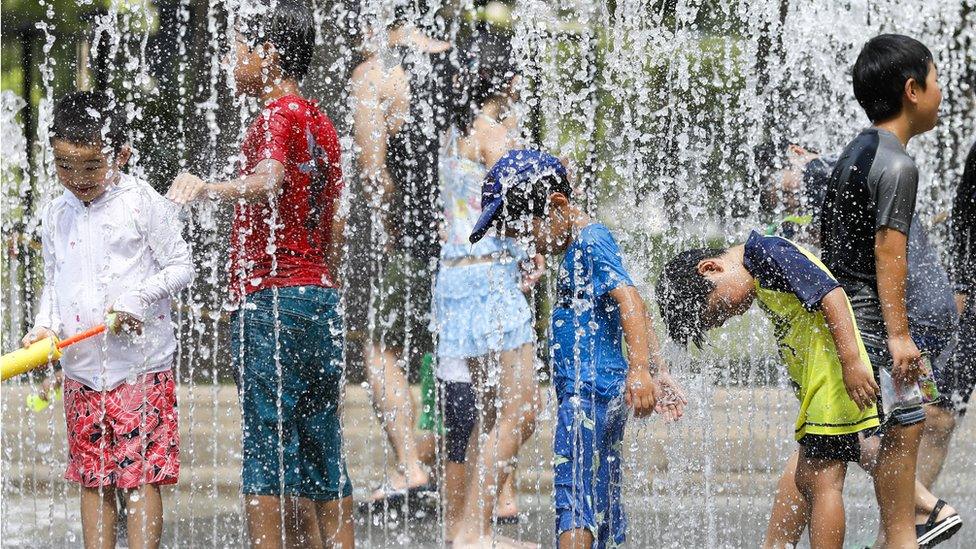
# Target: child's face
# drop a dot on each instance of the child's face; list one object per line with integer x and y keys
{"x": 251, "y": 73}
{"x": 545, "y": 235}
{"x": 927, "y": 102}
{"x": 733, "y": 293}
{"x": 87, "y": 169}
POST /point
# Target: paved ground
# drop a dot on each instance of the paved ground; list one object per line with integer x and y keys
{"x": 705, "y": 482}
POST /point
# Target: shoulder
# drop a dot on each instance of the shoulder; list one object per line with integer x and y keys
{"x": 372, "y": 76}
{"x": 597, "y": 233}
{"x": 52, "y": 209}
{"x": 893, "y": 161}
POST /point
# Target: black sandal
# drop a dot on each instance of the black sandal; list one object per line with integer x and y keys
{"x": 416, "y": 499}
{"x": 934, "y": 531}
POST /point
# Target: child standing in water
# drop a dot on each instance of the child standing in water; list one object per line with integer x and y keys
{"x": 287, "y": 334}
{"x": 485, "y": 351}
{"x": 527, "y": 195}
{"x": 818, "y": 340}
{"x": 111, "y": 244}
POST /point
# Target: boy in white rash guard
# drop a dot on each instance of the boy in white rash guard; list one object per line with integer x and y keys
{"x": 111, "y": 244}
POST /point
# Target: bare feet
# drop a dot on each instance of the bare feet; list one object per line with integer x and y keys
{"x": 398, "y": 483}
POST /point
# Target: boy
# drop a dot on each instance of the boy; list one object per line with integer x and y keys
{"x": 864, "y": 226}
{"x": 111, "y": 244}
{"x": 528, "y": 196}
{"x": 287, "y": 330}
{"x": 818, "y": 341}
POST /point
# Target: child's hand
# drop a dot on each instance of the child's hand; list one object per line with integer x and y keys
{"x": 641, "y": 391}
{"x": 36, "y": 335}
{"x": 906, "y": 359}
{"x": 186, "y": 188}
{"x": 51, "y": 384}
{"x": 672, "y": 402}
{"x": 860, "y": 385}
{"x": 531, "y": 277}
{"x": 121, "y": 321}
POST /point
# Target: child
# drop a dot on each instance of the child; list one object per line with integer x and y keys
{"x": 287, "y": 334}
{"x": 868, "y": 209}
{"x": 818, "y": 341}
{"x": 111, "y": 244}
{"x": 528, "y": 196}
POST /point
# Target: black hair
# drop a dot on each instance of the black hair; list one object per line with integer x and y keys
{"x": 289, "y": 26}
{"x": 484, "y": 70}
{"x": 885, "y": 63}
{"x": 89, "y": 118}
{"x": 532, "y": 200}
{"x": 682, "y": 294}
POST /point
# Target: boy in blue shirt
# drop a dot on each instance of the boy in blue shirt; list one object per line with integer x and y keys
{"x": 527, "y": 195}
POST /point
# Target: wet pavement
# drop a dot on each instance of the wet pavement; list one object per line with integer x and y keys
{"x": 706, "y": 482}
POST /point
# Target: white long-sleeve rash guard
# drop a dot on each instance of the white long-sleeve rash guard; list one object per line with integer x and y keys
{"x": 124, "y": 250}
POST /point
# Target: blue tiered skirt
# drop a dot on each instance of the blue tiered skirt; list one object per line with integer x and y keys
{"x": 479, "y": 309}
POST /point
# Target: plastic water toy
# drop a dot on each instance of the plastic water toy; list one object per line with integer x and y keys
{"x": 40, "y": 353}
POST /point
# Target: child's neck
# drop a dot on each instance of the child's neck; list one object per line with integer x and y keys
{"x": 279, "y": 89}
{"x": 900, "y": 125}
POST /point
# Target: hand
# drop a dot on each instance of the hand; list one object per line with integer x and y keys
{"x": 36, "y": 335}
{"x": 672, "y": 402}
{"x": 124, "y": 322}
{"x": 531, "y": 277}
{"x": 860, "y": 384}
{"x": 186, "y": 188}
{"x": 640, "y": 392}
{"x": 905, "y": 358}
{"x": 50, "y": 385}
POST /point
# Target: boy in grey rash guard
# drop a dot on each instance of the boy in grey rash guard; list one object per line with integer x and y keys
{"x": 865, "y": 220}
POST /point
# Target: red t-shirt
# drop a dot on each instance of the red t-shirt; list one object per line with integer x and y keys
{"x": 293, "y": 131}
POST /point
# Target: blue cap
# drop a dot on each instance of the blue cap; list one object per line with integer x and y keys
{"x": 516, "y": 169}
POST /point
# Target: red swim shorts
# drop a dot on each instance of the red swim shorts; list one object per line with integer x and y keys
{"x": 125, "y": 437}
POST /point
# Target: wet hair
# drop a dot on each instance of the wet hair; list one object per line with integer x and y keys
{"x": 682, "y": 294}
{"x": 89, "y": 118}
{"x": 290, "y": 27}
{"x": 885, "y": 63}
{"x": 484, "y": 70}
{"x": 532, "y": 200}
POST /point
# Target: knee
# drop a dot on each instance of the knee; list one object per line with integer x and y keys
{"x": 939, "y": 420}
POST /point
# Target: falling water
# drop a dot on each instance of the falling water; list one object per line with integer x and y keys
{"x": 661, "y": 107}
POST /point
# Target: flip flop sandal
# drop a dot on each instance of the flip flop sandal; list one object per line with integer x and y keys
{"x": 509, "y": 519}
{"x": 417, "y": 499}
{"x": 934, "y": 532}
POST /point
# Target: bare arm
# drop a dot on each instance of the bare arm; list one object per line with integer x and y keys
{"x": 891, "y": 264}
{"x": 641, "y": 390}
{"x": 370, "y": 130}
{"x": 858, "y": 377}
{"x": 262, "y": 183}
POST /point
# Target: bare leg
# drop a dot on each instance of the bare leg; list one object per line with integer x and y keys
{"x": 263, "y": 521}
{"x": 790, "y": 510}
{"x": 394, "y": 407}
{"x": 507, "y": 505}
{"x": 336, "y": 523}
{"x": 302, "y": 524}
{"x": 98, "y": 517}
{"x": 514, "y": 424}
{"x": 821, "y": 481}
{"x": 894, "y": 484}
{"x": 144, "y": 520}
{"x": 426, "y": 442}
{"x": 580, "y": 538}
{"x": 455, "y": 481}
{"x": 939, "y": 426}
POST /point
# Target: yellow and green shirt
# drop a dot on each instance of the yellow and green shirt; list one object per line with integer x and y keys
{"x": 790, "y": 283}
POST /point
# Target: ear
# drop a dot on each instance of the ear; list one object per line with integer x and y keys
{"x": 558, "y": 200}
{"x": 710, "y": 266}
{"x": 911, "y": 91}
{"x": 122, "y": 158}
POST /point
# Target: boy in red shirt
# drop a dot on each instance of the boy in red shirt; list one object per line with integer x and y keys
{"x": 287, "y": 330}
